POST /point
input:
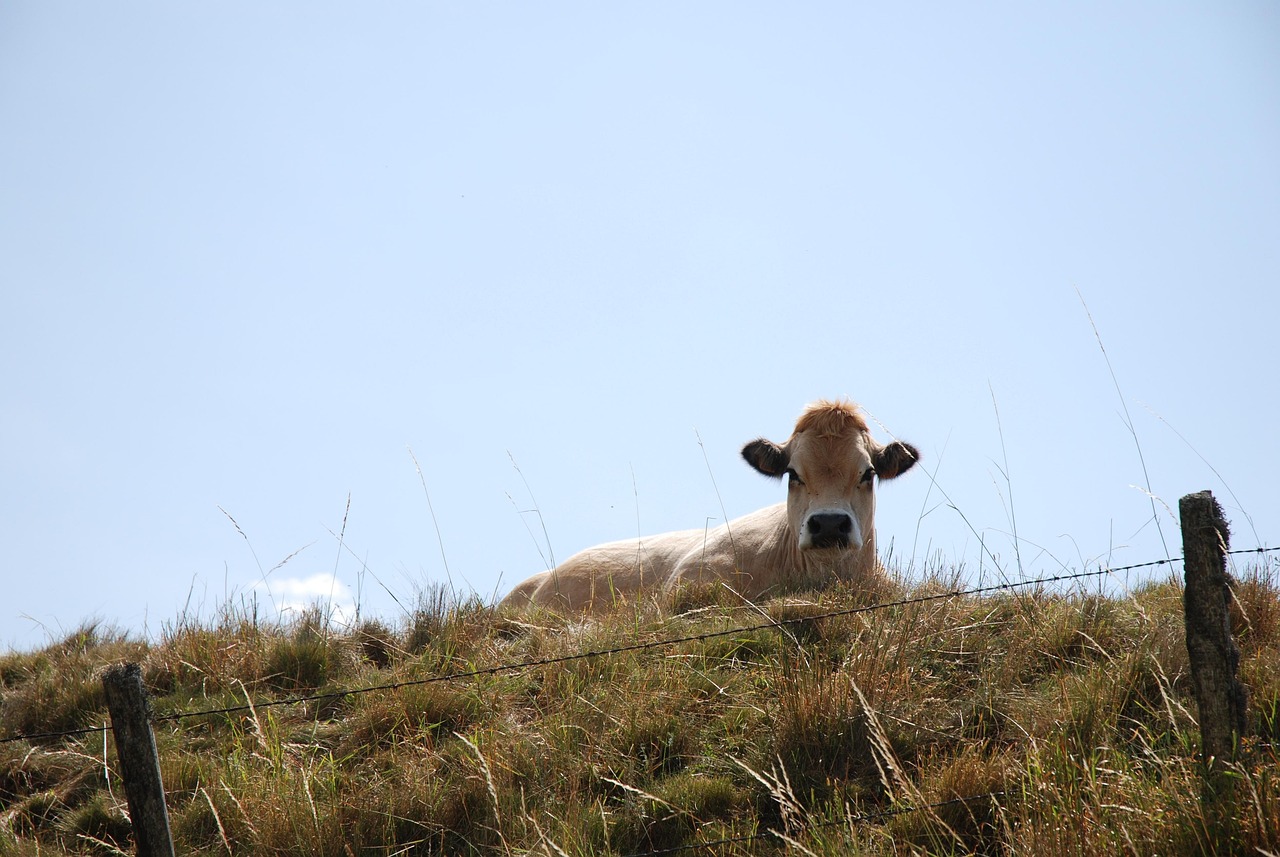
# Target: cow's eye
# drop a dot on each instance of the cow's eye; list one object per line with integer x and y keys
{"x": 793, "y": 478}
{"x": 868, "y": 475}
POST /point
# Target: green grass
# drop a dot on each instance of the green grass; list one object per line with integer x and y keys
{"x": 1064, "y": 721}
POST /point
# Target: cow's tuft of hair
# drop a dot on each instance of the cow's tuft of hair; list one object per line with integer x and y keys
{"x": 832, "y": 418}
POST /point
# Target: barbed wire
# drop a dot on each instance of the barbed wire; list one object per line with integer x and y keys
{"x": 65, "y": 733}
{"x": 520, "y": 666}
{"x": 1245, "y": 550}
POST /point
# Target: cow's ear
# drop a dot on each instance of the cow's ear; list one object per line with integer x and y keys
{"x": 766, "y": 457}
{"x": 895, "y": 459}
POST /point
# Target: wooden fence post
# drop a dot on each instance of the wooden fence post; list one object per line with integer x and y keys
{"x": 1215, "y": 658}
{"x": 139, "y": 763}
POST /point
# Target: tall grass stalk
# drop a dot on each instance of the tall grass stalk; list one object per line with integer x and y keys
{"x": 435, "y": 522}
{"x": 1128, "y": 424}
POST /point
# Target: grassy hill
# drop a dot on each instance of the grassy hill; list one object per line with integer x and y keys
{"x": 1029, "y": 723}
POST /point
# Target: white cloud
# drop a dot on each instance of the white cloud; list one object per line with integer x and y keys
{"x": 293, "y": 595}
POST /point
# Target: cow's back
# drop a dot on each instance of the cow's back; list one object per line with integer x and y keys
{"x": 607, "y": 574}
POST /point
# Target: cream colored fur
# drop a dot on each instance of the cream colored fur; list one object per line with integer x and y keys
{"x": 831, "y": 463}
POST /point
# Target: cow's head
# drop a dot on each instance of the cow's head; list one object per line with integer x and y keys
{"x": 831, "y": 463}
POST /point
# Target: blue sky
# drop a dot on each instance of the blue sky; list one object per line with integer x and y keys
{"x": 572, "y": 256}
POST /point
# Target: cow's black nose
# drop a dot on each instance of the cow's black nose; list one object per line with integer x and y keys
{"x": 830, "y": 529}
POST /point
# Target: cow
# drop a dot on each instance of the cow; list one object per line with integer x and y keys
{"x": 824, "y": 532}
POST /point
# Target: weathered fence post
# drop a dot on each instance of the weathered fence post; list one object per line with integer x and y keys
{"x": 1215, "y": 659}
{"x": 139, "y": 763}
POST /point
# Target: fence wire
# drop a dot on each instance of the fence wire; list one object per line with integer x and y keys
{"x": 519, "y": 666}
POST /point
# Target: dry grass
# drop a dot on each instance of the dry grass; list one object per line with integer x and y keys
{"x": 1062, "y": 721}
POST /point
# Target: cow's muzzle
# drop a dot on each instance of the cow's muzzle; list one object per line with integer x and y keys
{"x": 830, "y": 530}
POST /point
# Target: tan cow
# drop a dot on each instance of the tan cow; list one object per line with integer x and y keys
{"x": 824, "y": 532}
